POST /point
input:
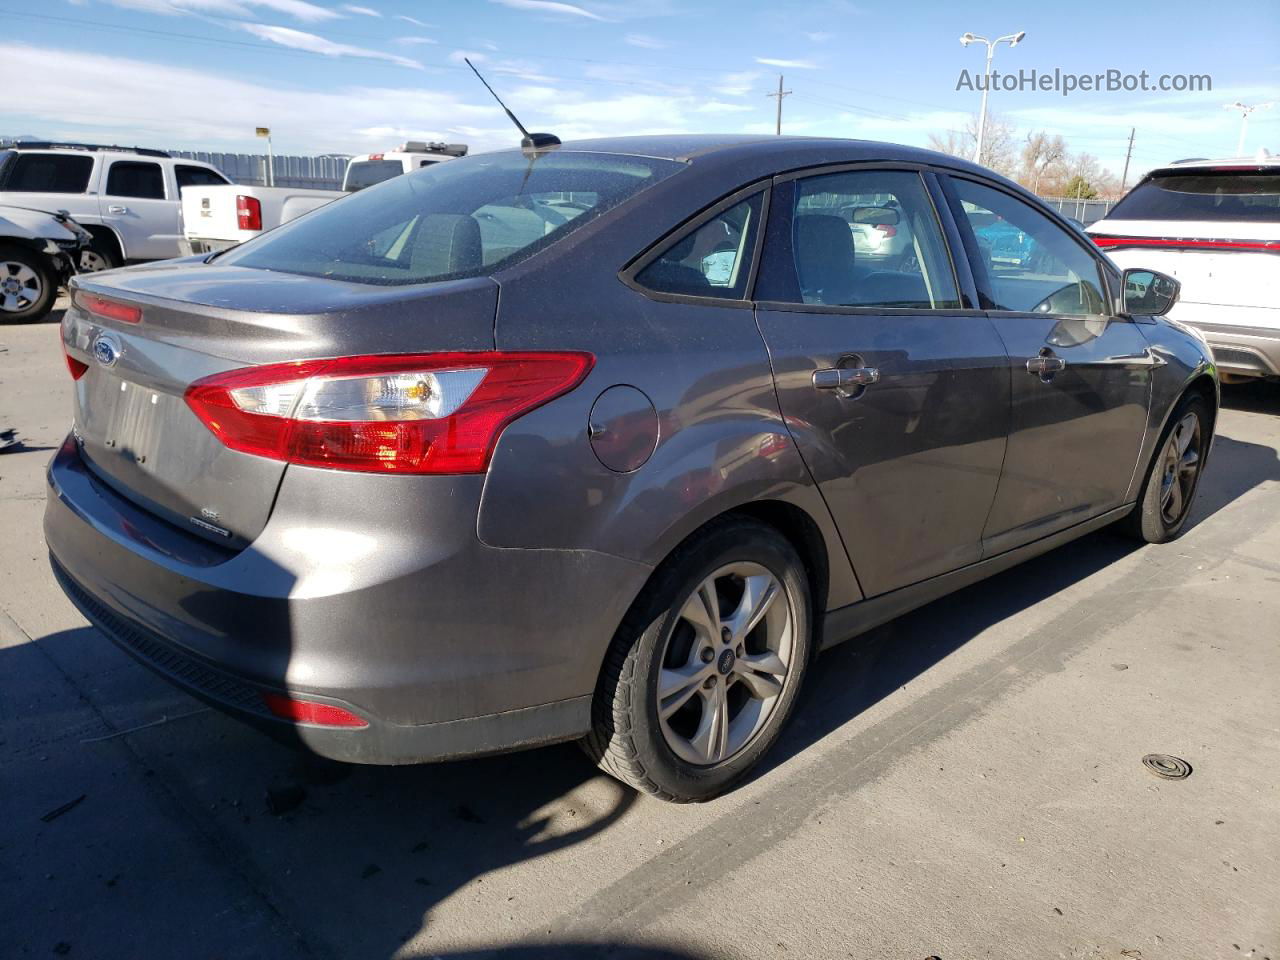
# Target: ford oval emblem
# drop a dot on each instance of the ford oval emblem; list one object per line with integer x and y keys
{"x": 106, "y": 351}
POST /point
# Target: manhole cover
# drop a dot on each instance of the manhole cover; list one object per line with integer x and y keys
{"x": 1170, "y": 768}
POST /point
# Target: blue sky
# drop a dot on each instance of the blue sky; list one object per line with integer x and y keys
{"x": 333, "y": 77}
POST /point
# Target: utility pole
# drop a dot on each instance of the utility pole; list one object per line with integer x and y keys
{"x": 780, "y": 94}
{"x": 1124, "y": 177}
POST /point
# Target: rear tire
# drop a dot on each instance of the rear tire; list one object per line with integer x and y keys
{"x": 96, "y": 258}
{"x": 705, "y": 669}
{"x": 28, "y": 284}
{"x": 1169, "y": 488}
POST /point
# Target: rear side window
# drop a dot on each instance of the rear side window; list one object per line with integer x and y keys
{"x": 867, "y": 238}
{"x": 198, "y": 177}
{"x": 1204, "y": 195}
{"x": 129, "y": 178}
{"x": 712, "y": 261}
{"x": 464, "y": 218}
{"x": 368, "y": 172}
{"x": 47, "y": 173}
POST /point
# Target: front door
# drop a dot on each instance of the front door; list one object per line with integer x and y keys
{"x": 1081, "y": 376}
{"x": 897, "y": 398}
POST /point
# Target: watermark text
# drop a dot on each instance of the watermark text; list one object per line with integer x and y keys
{"x": 1066, "y": 83}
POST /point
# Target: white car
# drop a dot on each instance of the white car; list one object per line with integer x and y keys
{"x": 38, "y": 252}
{"x": 128, "y": 198}
{"x": 370, "y": 168}
{"x": 1214, "y": 225}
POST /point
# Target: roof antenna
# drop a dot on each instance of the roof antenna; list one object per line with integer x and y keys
{"x": 530, "y": 141}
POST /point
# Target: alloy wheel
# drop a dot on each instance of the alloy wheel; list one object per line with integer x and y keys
{"x": 20, "y": 286}
{"x": 726, "y": 664}
{"x": 91, "y": 261}
{"x": 1181, "y": 465}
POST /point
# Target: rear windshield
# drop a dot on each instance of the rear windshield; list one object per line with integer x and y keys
{"x": 366, "y": 173}
{"x": 47, "y": 173}
{"x": 464, "y": 218}
{"x": 1204, "y": 195}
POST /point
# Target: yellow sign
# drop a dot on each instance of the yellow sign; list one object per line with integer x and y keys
{"x": 264, "y": 131}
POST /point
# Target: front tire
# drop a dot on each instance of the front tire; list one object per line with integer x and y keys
{"x": 28, "y": 284}
{"x": 705, "y": 669}
{"x": 1173, "y": 478}
{"x": 96, "y": 258}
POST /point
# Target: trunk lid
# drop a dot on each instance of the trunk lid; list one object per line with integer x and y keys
{"x": 135, "y": 430}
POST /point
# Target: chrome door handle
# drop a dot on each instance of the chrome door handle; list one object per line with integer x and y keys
{"x": 117, "y": 208}
{"x": 847, "y": 382}
{"x": 1046, "y": 365}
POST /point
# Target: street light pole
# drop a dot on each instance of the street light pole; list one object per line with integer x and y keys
{"x": 1013, "y": 39}
{"x": 1244, "y": 119}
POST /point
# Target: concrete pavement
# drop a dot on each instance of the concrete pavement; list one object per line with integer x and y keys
{"x": 964, "y": 782}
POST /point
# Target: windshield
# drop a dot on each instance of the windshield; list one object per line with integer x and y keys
{"x": 365, "y": 173}
{"x": 1204, "y": 195}
{"x": 464, "y": 218}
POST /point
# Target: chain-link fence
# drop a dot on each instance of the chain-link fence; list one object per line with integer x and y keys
{"x": 320, "y": 173}
{"x": 1086, "y": 211}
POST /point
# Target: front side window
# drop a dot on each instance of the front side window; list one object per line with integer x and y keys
{"x": 47, "y": 173}
{"x": 366, "y": 173}
{"x": 1032, "y": 265}
{"x": 1204, "y": 195}
{"x": 129, "y": 178}
{"x": 464, "y": 218}
{"x": 869, "y": 238}
{"x": 712, "y": 261}
{"x": 188, "y": 176}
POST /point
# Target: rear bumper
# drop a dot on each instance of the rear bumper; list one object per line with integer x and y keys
{"x": 444, "y": 646}
{"x": 1243, "y": 350}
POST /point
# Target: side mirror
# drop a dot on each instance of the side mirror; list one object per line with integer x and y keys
{"x": 1149, "y": 293}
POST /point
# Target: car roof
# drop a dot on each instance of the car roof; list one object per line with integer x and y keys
{"x": 785, "y": 152}
{"x": 1260, "y": 160}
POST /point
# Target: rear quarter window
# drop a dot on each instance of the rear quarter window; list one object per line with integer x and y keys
{"x": 1204, "y": 195}
{"x": 47, "y": 173}
{"x": 464, "y": 218}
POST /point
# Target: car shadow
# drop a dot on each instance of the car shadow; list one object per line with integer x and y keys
{"x": 1255, "y": 396}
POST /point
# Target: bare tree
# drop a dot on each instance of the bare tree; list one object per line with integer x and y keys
{"x": 997, "y": 146}
{"x": 1040, "y": 154}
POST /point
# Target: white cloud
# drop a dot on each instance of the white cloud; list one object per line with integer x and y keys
{"x": 819, "y": 36}
{"x": 300, "y": 40}
{"x": 360, "y": 11}
{"x": 458, "y": 56}
{"x": 298, "y": 9}
{"x": 737, "y": 84}
{"x": 415, "y": 21}
{"x": 549, "y": 6}
{"x": 644, "y": 41}
{"x": 788, "y": 64}
{"x": 411, "y": 41}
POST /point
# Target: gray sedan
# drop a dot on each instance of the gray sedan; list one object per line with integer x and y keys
{"x": 601, "y": 442}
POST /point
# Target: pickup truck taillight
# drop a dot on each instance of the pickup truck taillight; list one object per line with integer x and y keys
{"x": 248, "y": 212}
{"x": 420, "y": 413}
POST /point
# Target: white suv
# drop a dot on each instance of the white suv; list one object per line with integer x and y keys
{"x": 128, "y": 198}
{"x": 1215, "y": 226}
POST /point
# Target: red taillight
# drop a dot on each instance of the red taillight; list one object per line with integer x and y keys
{"x": 888, "y": 229}
{"x": 248, "y": 212}
{"x": 77, "y": 368}
{"x": 308, "y": 711}
{"x": 92, "y": 303}
{"x": 421, "y": 413}
{"x": 1179, "y": 243}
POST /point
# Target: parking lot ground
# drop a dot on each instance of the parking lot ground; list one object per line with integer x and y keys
{"x": 965, "y": 782}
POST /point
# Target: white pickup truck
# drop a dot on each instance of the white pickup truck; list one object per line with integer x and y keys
{"x": 216, "y": 218}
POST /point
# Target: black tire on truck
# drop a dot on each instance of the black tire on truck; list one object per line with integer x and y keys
{"x": 28, "y": 284}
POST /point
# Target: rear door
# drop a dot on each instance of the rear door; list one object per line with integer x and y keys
{"x": 1080, "y": 375}
{"x": 142, "y": 207}
{"x": 895, "y": 389}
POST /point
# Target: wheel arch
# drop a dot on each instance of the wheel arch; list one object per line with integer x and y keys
{"x": 104, "y": 234}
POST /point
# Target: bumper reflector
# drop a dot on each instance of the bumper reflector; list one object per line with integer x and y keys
{"x": 305, "y": 711}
